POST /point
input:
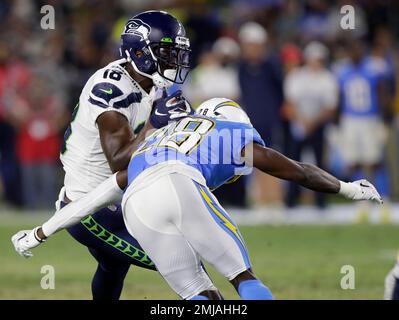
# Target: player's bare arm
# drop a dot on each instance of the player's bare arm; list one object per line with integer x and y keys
{"x": 121, "y": 176}
{"x": 117, "y": 138}
{"x": 111, "y": 188}
{"x": 106, "y": 193}
{"x": 116, "y": 135}
{"x": 308, "y": 175}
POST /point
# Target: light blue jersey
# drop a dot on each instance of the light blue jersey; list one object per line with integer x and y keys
{"x": 213, "y": 147}
{"x": 358, "y": 86}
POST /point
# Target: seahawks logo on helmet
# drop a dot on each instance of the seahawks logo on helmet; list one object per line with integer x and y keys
{"x": 137, "y": 28}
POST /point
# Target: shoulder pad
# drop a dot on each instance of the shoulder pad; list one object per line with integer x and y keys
{"x": 112, "y": 88}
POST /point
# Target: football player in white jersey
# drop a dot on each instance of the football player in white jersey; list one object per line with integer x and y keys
{"x": 114, "y": 104}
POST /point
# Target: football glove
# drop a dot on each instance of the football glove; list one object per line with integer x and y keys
{"x": 169, "y": 108}
{"x": 360, "y": 190}
{"x": 25, "y": 240}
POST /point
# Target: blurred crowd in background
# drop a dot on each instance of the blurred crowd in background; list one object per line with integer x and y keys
{"x": 314, "y": 91}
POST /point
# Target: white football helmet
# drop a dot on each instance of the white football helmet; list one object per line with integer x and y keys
{"x": 223, "y": 109}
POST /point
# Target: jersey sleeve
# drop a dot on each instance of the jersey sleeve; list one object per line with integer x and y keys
{"x": 112, "y": 95}
{"x": 242, "y": 136}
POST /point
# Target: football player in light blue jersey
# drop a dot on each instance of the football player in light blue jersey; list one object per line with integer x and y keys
{"x": 169, "y": 208}
{"x": 211, "y": 147}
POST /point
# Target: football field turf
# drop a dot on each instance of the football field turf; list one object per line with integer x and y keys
{"x": 296, "y": 262}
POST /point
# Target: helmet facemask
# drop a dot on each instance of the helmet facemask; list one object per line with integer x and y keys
{"x": 172, "y": 61}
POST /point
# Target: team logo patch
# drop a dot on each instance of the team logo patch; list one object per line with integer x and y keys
{"x": 137, "y": 28}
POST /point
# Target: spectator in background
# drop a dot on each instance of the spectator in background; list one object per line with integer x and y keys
{"x": 260, "y": 77}
{"x": 366, "y": 98}
{"x": 382, "y": 48}
{"x": 203, "y": 26}
{"x": 216, "y": 73}
{"x": 14, "y": 78}
{"x": 314, "y": 23}
{"x": 38, "y": 116}
{"x": 288, "y": 24}
{"x": 291, "y": 57}
{"x": 311, "y": 95}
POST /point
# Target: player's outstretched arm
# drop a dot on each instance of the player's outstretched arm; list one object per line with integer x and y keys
{"x": 308, "y": 175}
{"x": 117, "y": 138}
{"x": 106, "y": 193}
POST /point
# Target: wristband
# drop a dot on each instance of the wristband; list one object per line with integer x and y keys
{"x": 347, "y": 189}
{"x": 36, "y": 236}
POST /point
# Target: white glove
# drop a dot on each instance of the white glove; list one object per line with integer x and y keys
{"x": 25, "y": 240}
{"x": 360, "y": 190}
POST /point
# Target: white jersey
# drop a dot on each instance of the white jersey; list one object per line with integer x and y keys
{"x": 109, "y": 89}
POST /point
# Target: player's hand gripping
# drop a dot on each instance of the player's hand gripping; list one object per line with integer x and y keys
{"x": 25, "y": 240}
{"x": 360, "y": 190}
{"x": 168, "y": 108}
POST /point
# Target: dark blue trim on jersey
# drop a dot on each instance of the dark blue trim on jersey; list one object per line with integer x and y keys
{"x": 98, "y": 103}
{"x": 106, "y": 91}
{"x": 131, "y": 98}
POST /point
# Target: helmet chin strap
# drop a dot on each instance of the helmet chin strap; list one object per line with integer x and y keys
{"x": 158, "y": 80}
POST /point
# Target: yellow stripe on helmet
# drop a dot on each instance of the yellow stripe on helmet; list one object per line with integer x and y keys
{"x": 229, "y": 103}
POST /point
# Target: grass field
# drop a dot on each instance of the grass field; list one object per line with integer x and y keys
{"x": 296, "y": 262}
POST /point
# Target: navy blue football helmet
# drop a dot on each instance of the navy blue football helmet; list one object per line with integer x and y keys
{"x": 155, "y": 44}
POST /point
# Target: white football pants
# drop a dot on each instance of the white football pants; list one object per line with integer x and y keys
{"x": 177, "y": 221}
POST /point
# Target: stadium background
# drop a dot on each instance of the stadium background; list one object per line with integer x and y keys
{"x": 298, "y": 243}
